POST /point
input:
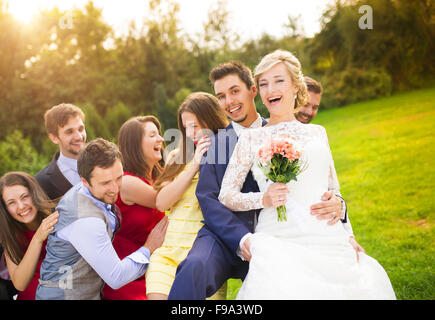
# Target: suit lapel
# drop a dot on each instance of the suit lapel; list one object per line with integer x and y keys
{"x": 56, "y": 177}
{"x": 232, "y": 136}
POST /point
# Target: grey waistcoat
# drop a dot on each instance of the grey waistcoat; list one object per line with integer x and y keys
{"x": 65, "y": 275}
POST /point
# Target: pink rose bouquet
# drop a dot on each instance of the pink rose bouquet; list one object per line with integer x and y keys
{"x": 280, "y": 162}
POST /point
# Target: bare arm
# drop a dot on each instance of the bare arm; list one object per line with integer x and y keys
{"x": 136, "y": 191}
{"x": 173, "y": 190}
{"x": 22, "y": 274}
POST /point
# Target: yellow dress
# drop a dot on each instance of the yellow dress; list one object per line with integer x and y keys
{"x": 184, "y": 223}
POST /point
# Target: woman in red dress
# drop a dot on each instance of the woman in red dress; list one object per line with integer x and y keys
{"x": 26, "y": 219}
{"x": 141, "y": 144}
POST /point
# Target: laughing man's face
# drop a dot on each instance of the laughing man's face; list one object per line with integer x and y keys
{"x": 236, "y": 99}
{"x": 307, "y": 113}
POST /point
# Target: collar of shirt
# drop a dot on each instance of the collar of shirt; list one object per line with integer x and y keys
{"x": 239, "y": 128}
{"x": 68, "y": 167}
{"x": 105, "y": 207}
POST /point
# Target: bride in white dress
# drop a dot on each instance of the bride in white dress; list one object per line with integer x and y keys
{"x": 303, "y": 257}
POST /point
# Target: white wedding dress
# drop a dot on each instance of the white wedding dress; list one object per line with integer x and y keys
{"x": 303, "y": 257}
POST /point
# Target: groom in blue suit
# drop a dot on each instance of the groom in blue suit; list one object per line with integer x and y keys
{"x": 221, "y": 249}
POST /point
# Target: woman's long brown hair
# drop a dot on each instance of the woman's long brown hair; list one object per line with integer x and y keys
{"x": 130, "y": 141}
{"x": 12, "y": 231}
{"x": 210, "y": 116}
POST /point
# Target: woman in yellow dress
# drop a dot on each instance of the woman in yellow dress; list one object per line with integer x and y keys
{"x": 199, "y": 117}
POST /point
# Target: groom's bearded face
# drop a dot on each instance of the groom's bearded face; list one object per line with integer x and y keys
{"x": 308, "y": 112}
{"x": 235, "y": 99}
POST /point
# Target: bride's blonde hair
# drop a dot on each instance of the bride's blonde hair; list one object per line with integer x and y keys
{"x": 294, "y": 68}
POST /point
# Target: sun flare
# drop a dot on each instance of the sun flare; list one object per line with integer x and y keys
{"x": 23, "y": 11}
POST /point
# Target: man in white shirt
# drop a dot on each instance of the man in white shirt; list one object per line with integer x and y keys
{"x": 65, "y": 127}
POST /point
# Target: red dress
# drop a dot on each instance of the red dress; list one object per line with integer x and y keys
{"x": 30, "y": 292}
{"x": 136, "y": 224}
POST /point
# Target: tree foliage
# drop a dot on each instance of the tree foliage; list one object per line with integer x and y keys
{"x": 18, "y": 154}
{"x": 156, "y": 65}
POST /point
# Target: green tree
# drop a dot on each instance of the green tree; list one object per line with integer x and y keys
{"x": 18, "y": 154}
{"x": 401, "y": 43}
{"x": 115, "y": 117}
{"x": 96, "y": 127}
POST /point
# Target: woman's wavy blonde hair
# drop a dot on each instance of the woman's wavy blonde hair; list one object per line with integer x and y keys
{"x": 294, "y": 68}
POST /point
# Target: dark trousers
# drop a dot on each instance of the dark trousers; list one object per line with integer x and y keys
{"x": 207, "y": 266}
{"x": 7, "y": 290}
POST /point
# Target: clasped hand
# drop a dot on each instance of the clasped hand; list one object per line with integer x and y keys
{"x": 329, "y": 208}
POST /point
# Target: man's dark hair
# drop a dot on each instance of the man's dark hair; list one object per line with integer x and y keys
{"x": 232, "y": 67}
{"x": 313, "y": 85}
{"x": 97, "y": 153}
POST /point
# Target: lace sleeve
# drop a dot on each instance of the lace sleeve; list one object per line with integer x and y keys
{"x": 333, "y": 185}
{"x": 240, "y": 163}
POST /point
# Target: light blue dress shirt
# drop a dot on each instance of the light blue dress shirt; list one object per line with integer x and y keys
{"x": 90, "y": 238}
{"x": 68, "y": 167}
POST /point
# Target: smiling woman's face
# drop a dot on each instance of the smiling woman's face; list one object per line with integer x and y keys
{"x": 192, "y": 126}
{"x": 277, "y": 90}
{"x": 19, "y": 203}
{"x": 151, "y": 144}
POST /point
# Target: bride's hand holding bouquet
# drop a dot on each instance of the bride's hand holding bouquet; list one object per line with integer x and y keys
{"x": 279, "y": 159}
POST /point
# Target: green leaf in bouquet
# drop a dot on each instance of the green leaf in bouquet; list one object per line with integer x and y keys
{"x": 294, "y": 166}
{"x": 276, "y": 162}
{"x": 286, "y": 164}
{"x": 281, "y": 178}
{"x": 292, "y": 176}
{"x": 271, "y": 177}
{"x": 287, "y": 176}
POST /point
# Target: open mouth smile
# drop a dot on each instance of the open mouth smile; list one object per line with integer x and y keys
{"x": 25, "y": 213}
{"x": 274, "y": 100}
{"x": 233, "y": 109}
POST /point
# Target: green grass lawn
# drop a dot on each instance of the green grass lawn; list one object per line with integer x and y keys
{"x": 384, "y": 154}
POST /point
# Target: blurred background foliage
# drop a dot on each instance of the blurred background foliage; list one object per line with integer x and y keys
{"x": 156, "y": 65}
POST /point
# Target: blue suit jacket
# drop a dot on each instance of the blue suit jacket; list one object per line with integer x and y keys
{"x": 226, "y": 225}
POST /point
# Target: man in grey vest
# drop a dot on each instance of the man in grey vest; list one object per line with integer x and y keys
{"x": 80, "y": 256}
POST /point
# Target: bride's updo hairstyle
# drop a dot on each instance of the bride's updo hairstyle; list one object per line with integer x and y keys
{"x": 294, "y": 68}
